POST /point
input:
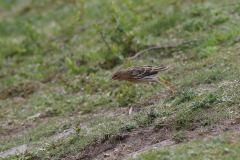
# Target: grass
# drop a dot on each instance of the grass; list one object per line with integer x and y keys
{"x": 56, "y": 59}
{"x": 222, "y": 147}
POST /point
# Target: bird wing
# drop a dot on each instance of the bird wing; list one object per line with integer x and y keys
{"x": 144, "y": 71}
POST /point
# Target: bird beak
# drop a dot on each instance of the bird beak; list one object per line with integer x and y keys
{"x": 110, "y": 80}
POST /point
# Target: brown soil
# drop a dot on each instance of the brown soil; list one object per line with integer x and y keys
{"x": 14, "y": 150}
{"x": 123, "y": 144}
{"x": 9, "y": 129}
{"x": 133, "y": 143}
{"x": 20, "y": 90}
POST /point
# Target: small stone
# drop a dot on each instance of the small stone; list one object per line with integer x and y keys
{"x": 106, "y": 155}
{"x": 9, "y": 122}
{"x": 207, "y": 105}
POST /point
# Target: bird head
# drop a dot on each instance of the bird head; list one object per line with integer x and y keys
{"x": 117, "y": 76}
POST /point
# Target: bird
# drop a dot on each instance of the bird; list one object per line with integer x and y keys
{"x": 140, "y": 74}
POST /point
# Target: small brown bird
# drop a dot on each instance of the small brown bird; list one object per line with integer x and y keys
{"x": 139, "y": 74}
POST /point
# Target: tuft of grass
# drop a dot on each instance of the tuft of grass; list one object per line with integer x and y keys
{"x": 129, "y": 127}
{"x": 207, "y": 52}
{"x": 193, "y": 25}
{"x": 180, "y": 137}
{"x": 220, "y": 19}
{"x": 222, "y": 147}
{"x": 207, "y": 102}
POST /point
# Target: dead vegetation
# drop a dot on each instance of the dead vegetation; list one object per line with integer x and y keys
{"x": 21, "y": 90}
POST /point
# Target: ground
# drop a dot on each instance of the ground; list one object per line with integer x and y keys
{"x": 57, "y": 100}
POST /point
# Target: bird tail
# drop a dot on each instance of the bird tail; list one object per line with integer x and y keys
{"x": 165, "y": 68}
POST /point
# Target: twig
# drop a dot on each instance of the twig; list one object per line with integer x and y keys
{"x": 230, "y": 4}
{"x": 163, "y": 47}
{"x": 62, "y": 79}
{"x": 106, "y": 42}
{"x": 47, "y": 51}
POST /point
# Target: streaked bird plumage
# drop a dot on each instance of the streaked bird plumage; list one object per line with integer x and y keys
{"x": 139, "y": 74}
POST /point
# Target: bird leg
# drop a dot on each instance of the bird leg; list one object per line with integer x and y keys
{"x": 166, "y": 87}
{"x": 166, "y": 82}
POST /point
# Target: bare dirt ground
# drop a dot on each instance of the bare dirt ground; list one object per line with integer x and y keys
{"x": 131, "y": 144}
{"x": 142, "y": 139}
{"x": 14, "y": 150}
